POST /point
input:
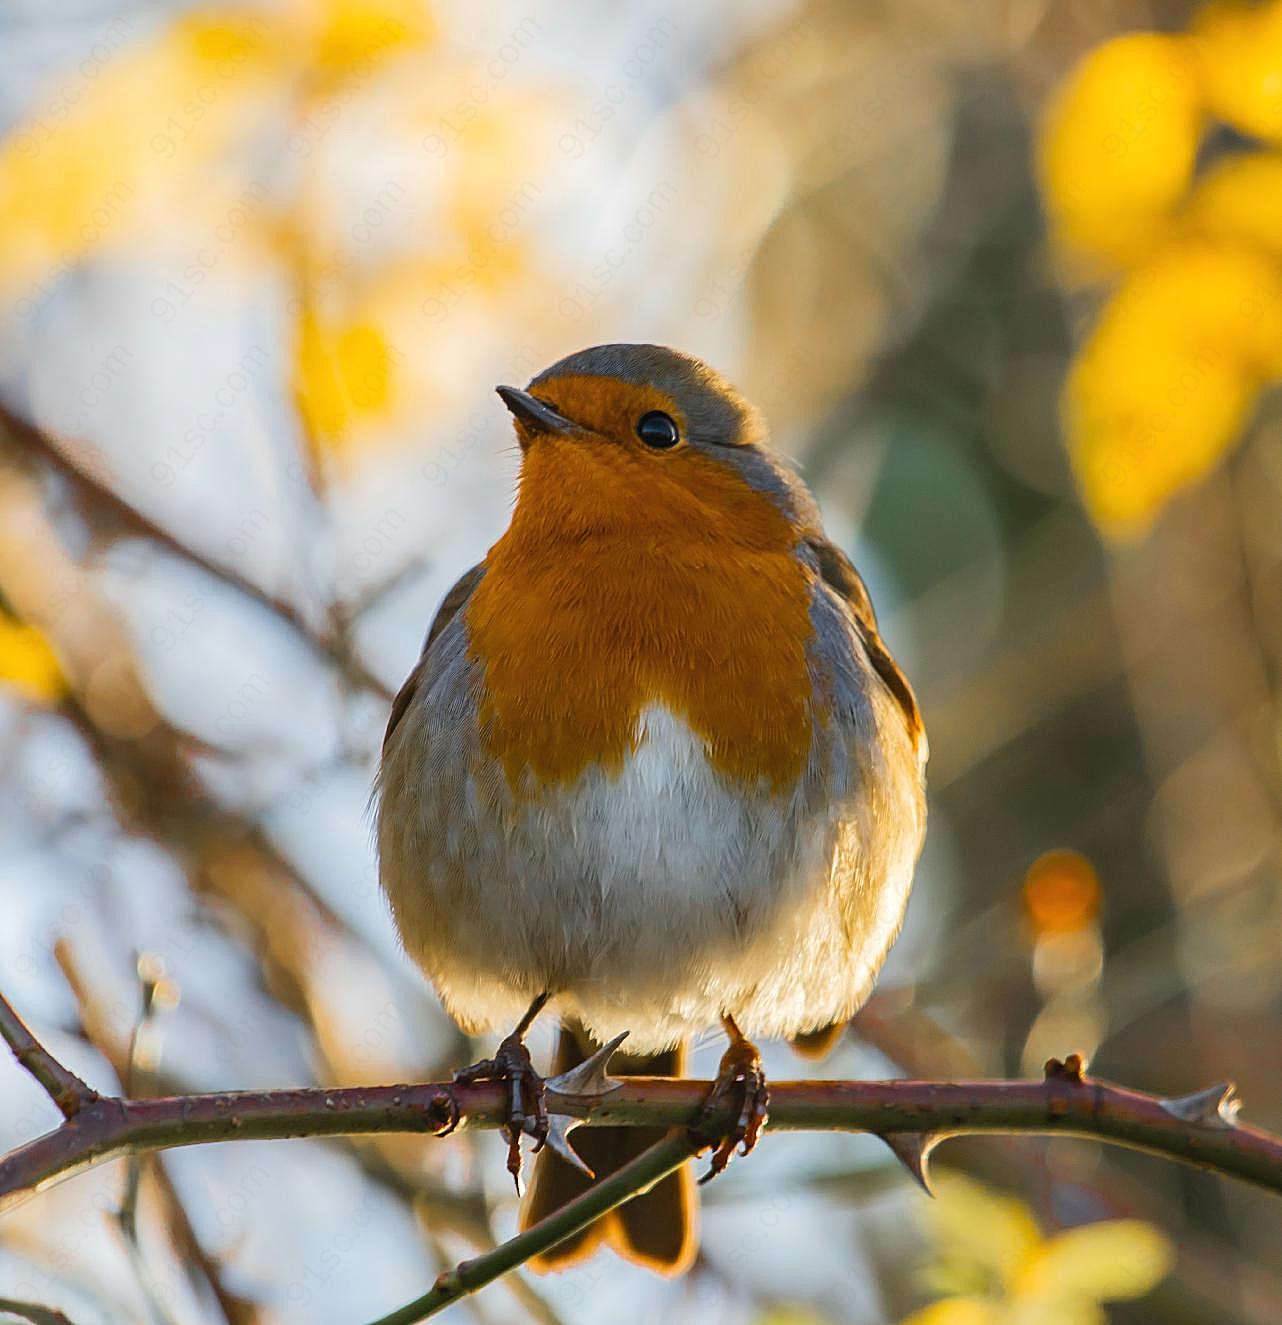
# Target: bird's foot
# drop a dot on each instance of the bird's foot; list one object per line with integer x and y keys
{"x": 739, "y": 1078}
{"x": 527, "y": 1100}
{"x": 527, "y": 1097}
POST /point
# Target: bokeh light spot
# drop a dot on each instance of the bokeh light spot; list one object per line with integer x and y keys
{"x": 1061, "y": 892}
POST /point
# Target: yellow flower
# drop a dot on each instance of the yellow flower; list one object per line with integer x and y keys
{"x": 1167, "y": 379}
{"x": 346, "y": 36}
{"x": 340, "y": 372}
{"x": 129, "y": 149}
{"x": 28, "y": 664}
{"x": 1008, "y": 1273}
{"x": 1240, "y": 199}
{"x": 140, "y": 142}
{"x": 983, "y": 1237}
{"x": 155, "y": 148}
{"x": 1239, "y": 51}
{"x": 792, "y": 1313}
{"x": 957, "y": 1311}
{"x": 1132, "y": 456}
{"x": 1119, "y": 1258}
{"x": 1118, "y": 145}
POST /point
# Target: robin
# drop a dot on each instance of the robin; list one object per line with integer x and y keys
{"x": 655, "y": 769}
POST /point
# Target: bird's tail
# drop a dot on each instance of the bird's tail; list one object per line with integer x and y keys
{"x": 655, "y": 1229}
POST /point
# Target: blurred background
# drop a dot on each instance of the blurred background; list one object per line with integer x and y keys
{"x": 1006, "y": 278}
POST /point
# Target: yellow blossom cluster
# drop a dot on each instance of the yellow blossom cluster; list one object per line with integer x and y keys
{"x": 998, "y": 1268}
{"x": 1172, "y": 369}
{"x": 154, "y": 151}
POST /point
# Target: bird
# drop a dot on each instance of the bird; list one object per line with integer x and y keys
{"x": 655, "y": 770}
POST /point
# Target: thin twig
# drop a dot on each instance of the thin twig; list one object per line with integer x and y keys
{"x": 94, "y": 491}
{"x": 437, "y": 1207}
{"x": 647, "y": 1168}
{"x": 133, "y": 1066}
{"x": 136, "y": 1077}
{"x": 33, "y": 1312}
{"x": 60, "y": 1083}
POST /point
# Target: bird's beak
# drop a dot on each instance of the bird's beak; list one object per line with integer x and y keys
{"x": 536, "y": 416}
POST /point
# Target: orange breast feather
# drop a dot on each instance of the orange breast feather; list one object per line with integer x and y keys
{"x": 625, "y": 581}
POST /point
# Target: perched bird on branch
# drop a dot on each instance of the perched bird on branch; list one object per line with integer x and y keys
{"x": 655, "y": 769}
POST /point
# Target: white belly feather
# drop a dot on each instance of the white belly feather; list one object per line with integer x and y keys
{"x": 654, "y": 900}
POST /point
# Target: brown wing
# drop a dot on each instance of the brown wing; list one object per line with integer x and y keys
{"x": 844, "y": 579}
{"x": 841, "y": 576}
{"x": 449, "y": 608}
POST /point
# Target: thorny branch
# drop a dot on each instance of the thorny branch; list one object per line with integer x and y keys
{"x": 910, "y": 1116}
{"x": 1200, "y": 1128}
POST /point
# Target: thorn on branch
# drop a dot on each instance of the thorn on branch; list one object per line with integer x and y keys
{"x": 560, "y": 1125}
{"x": 912, "y": 1150}
{"x": 1217, "y": 1106}
{"x": 588, "y": 1081}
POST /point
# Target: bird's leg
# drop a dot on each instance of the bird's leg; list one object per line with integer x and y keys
{"x": 739, "y": 1077}
{"x": 527, "y": 1109}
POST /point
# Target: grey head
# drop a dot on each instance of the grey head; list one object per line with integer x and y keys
{"x": 713, "y": 417}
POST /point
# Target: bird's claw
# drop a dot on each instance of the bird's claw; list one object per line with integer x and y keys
{"x": 739, "y": 1075}
{"x": 527, "y": 1104}
{"x": 447, "y": 1101}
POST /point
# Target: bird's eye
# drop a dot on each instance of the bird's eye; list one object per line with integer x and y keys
{"x": 657, "y": 430}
